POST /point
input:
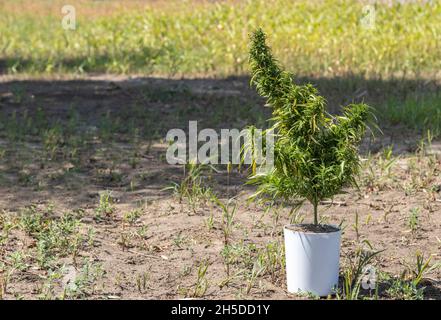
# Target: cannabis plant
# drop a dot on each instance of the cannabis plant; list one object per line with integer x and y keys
{"x": 315, "y": 153}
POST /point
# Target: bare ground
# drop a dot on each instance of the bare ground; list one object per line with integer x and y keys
{"x": 80, "y": 143}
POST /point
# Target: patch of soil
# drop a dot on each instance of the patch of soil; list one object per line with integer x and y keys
{"x": 312, "y": 228}
{"x": 153, "y": 245}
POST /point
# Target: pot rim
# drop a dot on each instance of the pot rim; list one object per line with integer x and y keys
{"x": 285, "y": 227}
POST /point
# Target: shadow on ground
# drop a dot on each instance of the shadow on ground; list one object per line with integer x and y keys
{"x": 106, "y": 132}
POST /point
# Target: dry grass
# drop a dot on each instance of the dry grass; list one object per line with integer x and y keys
{"x": 321, "y": 37}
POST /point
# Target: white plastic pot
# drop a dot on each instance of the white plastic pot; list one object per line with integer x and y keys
{"x": 312, "y": 261}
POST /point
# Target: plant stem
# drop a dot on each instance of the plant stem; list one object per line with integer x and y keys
{"x": 315, "y": 204}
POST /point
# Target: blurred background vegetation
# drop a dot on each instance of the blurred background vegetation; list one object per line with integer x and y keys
{"x": 323, "y": 39}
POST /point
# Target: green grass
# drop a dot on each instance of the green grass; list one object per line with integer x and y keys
{"x": 415, "y": 112}
{"x": 310, "y": 37}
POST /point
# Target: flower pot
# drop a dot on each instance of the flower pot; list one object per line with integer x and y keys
{"x": 312, "y": 260}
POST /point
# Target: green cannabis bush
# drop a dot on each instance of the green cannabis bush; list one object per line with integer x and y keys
{"x": 315, "y": 153}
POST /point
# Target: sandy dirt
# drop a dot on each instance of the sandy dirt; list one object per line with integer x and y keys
{"x": 157, "y": 254}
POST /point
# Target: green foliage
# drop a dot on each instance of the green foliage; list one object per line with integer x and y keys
{"x": 315, "y": 153}
{"x": 132, "y": 216}
{"x": 106, "y": 207}
{"x": 354, "y": 273}
{"x": 169, "y": 37}
{"x": 55, "y": 237}
{"x": 414, "y": 221}
{"x": 200, "y": 287}
{"x": 421, "y": 268}
{"x": 415, "y": 111}
{"x": 404, "y": 290}
{"x": 193, "y": 186}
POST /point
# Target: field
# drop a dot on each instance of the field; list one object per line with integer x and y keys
{"x": 90, "y": 209}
